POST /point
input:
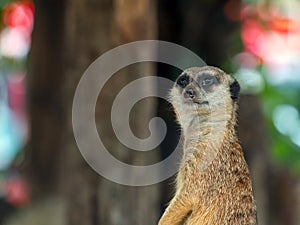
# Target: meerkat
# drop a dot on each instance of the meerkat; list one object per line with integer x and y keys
{"x": 213, "y": 185}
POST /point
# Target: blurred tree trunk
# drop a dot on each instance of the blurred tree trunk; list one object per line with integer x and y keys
{"x": 47, "y": 116}
{"x": 68, "y": 36}
{"x": 93, "y": 27}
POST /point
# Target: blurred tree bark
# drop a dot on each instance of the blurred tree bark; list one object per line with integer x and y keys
{"x": 94, "y": 27}
{"x": 68, "y": 36}
{"x": 46, "y": 111}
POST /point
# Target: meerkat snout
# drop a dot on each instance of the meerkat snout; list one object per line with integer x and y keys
{"x": 190, "y": 93}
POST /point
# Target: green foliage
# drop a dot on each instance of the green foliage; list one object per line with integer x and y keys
{"x": 283, "y": 150}
{"x": 3, "y": 3}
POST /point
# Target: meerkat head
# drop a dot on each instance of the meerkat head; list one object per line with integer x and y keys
{"x": 206, "y": 93}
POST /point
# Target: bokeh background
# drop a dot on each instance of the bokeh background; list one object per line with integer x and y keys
{"x": 45, "y": 46}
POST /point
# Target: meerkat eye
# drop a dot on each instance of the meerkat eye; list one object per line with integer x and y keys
{"x": 208, "y": 81}
{"x": 183, "y": 81}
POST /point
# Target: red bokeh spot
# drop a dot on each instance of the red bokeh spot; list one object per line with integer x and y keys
{"x": 19, "y": 14}
{"x": 253, "y": 36}
{"x": 17, "y": 192}
{"x": 268, "y": 34}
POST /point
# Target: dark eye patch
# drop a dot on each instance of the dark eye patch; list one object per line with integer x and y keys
{"x": 207, "y": 80}
{"x": 183, "y": 80}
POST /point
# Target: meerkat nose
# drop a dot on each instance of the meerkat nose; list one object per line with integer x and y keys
{"x": 189, "y": 93}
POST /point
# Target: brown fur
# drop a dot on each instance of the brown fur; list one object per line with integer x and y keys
{"x": 213, "y": 182}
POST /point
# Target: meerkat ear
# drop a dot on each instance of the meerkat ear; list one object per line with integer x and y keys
{"x": 234, "y": 90}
